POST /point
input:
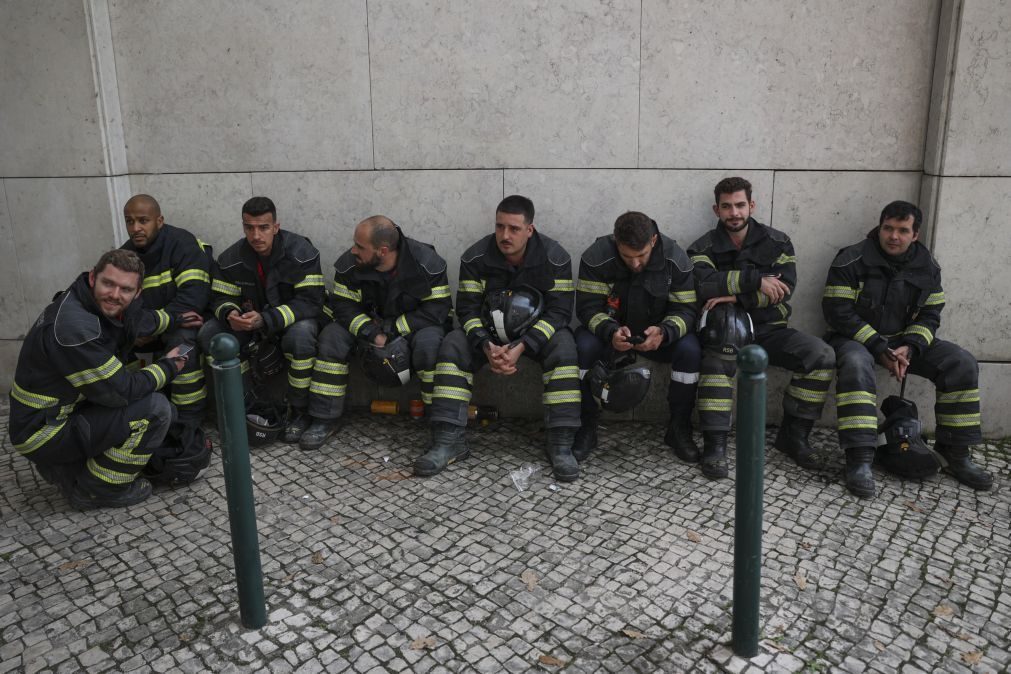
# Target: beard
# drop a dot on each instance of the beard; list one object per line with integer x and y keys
{"x": 371, "y": 263}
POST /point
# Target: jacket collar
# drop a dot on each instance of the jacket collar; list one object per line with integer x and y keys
{"x": 723, "y": 244}
{"x": 250, "y": 256}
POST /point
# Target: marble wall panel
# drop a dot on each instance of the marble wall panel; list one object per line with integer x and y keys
{"x": 823, "y": 212}
{"x": 978, "y": 138}
{"x": 209, "y": 205}
{"x": 9, "y": 350}
{"x": 61, "y": 226}
{"x": 49, "y": 116}
{"x": 972, "y": 247}
{"x": 14, "y": 314}
{"x": 488, "y": 84}
{"x": 239, "y": 86}
{"x": 449, "y": 209}
{"x": 814, "y": 85}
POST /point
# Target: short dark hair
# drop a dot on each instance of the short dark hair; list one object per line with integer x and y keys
{"x": 517, "y": 205}
{"x": 731, "y": 185}
{"x": 122, "y": 259}
{"x": 259, "y": 206}
{"x": 902, "y": 210}
{"x": 634, "y": 229}
{"x": 384, "y": 233}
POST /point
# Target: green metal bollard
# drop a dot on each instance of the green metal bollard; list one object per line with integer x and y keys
{"x": 238, "y": 479}
{"x": 751, "y": 364}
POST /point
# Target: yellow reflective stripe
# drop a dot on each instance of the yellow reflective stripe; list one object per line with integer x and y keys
{"x": 719, "y": 380}
{"x": 761, "y": 300}
{"x": 95, "y": 374}
{"x": 189, "y": 377}
{"x": 110, "y": 476}
{"x": 783, "y": 311}
{"x": 227, "y": 307}
{"x": 840, "y": 293}
{"x": 855, "y": 398}
{"x": 401, "y": 325}
{"x": 157, "y": 373}
{"x": 563, "y": 285}
{"x": 341, "y": 290}
{"x": 544, "y": 328}
{"x": 785, "y": 259}
{"x": 438, "y": 293}
{"x": 163, "y": 321}
{"x": 562, "y": 372}
{"x": 471, "y": 287}
{"x": 426, "y": 398}
{"x": 714, "y": 405}
{"x": 683, "y": 296}
{"x": 733, "y": 282}
{"x": 703, "y": 259}
{"x": 820, "y": 375}
{"x": 451, "y": 392}
{"x": 958, "y": 420}
{"x": 287, "y": 315}
{"x": 677, "y": 322}
{"x": 427, "y": 376}
{"x": 155, "y": 280}
{"x": 225, "y": 288}
{"x": 36, "y": 400}
{"x": 451, "y": 370}
{"x": 299, "y": 363}
{"x": 357, "y": 323}
{"x": 806, "y": 394}
{"x": 966, "y": 396}
{"x": 922, "y": 331}
{"x": 330, "y": 367}
{"x": 560, "y": 397}
{"x": 330, "y": 390}
{"x": 39, "y": 438}
{"x": 311, "y": 280}
{"x": 328, "y": 312}
{"x": 243, "y": 366}
{"x": 854, "y": 423}
{"x": 192, "y": 275}
{"x": 189, "y": 398}
{"x": 864, "y": 334}
{"x": 298, "y": 382}
{"x": 934, "y": 299}
{"x": 203, "y": 244}
{"x": 596, "y": 287}
{"x": 596, "y": 320}
{"x": 472, "y": 324}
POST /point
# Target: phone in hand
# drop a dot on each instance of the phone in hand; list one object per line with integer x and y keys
{"x": 184, "y": 351}
{"x": 636, "y": 339}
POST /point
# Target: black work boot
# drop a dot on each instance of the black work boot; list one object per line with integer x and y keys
{"x": 90, "y": 493}
{"x": 63, "y": 475}
{"x": 859, "y": 476}
{"x": 793, "y": 440}
{"x": 714, "y": 454}
{"x": 960, "y": 466}
{"x": 559, "y": 450}
{"x": 448, "y": 445}
{"x": 317, "y": 433}
{"x": 679, "y": 435}
{"x": 300, "y": 421}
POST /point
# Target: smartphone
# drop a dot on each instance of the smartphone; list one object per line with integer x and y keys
{"x": 184, "y": 350}
{"x": 636, "y": 339}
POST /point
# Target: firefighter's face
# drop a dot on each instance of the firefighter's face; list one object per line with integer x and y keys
{"x": 114, "y": 289}
{"x": 366, "y": 255}
{"x": 143, "y": 222}
{"x": 734, "y": 209}
{"x": 512, "y": 232}
{"x": 896, "y": 236}
{"x": 260, "y": 231}
{"x": 636, "y": 260}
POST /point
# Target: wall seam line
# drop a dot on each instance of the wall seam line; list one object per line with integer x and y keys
{"x": 368, "y": 54}
{"x": 17, "y": 259}
{"x": 638, "y": 118}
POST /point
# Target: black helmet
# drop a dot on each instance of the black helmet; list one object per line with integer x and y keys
{"x": 620, "y": 386}
{"x": 266, "y": 358}
{"x": 509, "y": 313}
{"x": 183, "y": 458}
{"x": 264, "y": 422}
{"x": 726, "y": 329}
{"x": 389, "y": 365}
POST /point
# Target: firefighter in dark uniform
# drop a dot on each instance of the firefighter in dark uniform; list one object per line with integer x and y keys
{"x": 744, "y": 261}
{"x": 637, "y": 284}
{"x": 883, "y": 302}
{"x": 268, "y": 285}
{"x": 86, "y": 421}
{"x": 177, "y": 287}
{"x": 386, "y": 286}
{"x": 516, "y": 255}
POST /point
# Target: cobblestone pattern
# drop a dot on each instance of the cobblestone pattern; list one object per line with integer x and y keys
{"x": 627, "y": 570}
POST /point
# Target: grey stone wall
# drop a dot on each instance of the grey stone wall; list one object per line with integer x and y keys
{"x": 430, "y": 112}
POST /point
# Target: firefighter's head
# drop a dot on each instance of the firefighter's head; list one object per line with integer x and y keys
{"x": 899, "y": 227}
{"x": 376, "y": 240}
{"x": 514, "y": 225}
{"x": 116, "y": 281}
{"x": 733, "y": 203}
{"x": 260, "y": 225}
{"x": 143, "y": 220}
{"x": 635, "y": 235}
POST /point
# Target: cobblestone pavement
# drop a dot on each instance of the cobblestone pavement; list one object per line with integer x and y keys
{"x": 628, "y": 569}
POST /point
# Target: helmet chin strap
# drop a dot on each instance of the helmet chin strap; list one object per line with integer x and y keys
{"x": 498, "y": 318}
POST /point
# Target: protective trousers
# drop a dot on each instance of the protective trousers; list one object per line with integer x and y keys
{"x": 952, "y": 369}
{"x": 684, "y": 356}
{"x": 457, "y": 363}
{"x": 328, "y": 389}
{"x": 298, "y": 343}
{"x": 810, "y": 359}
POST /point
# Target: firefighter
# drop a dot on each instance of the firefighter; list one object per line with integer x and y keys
{"x": 744, "y": 261}
{"x": 636, "y": 292}
{"x": 177, "y": 287}
{"x": 390, "y": 293}
{"x": 269, "y": 286}
{"x": 520, "y": 268}
{"x": 86, "y": 421}
{"x": 883, "y": 302}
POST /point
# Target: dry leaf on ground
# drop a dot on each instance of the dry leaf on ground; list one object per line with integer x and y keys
{"x": 423, "y": 643}
{"x": 800, "y": 579}
{"x": 635, "y": 634}
{"x": 530, "y": 578}
{"x": 774, "y": 645}
{"x": 74, "y": 564}
{"x": 694, "y": 536}
{"x": 880, "y": 646}
{"x": 943, "y": 611}
{"x": 805, "y": 545}
{"x": 394, "y": 475}
{"x": 972, "y": 658}
{"x": 317, "y": 557}
{"x": 335, "y": 519}
{"x": 913, "y": 506}
{"x": 550, "y": 660}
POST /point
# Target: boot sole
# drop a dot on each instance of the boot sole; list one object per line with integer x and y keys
{"x": 566, "y": 477}
{"x": 714, "y": 472}
{"x": 975, "y": 486}
{"x": 429, "y": 473}
{"x": 860, "y": 492}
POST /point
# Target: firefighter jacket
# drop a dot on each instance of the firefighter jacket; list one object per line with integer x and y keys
{"x": 285, "y": 287}
{"x": 880, "y": 301}
{"x": 177, "y": 278}
{"x": 546, "y": 266}
{"x": 411, "y": 296}
{"x": 75, "y": 353}
{"x": 721, "y": 269}
{"x": 609, "y": 295}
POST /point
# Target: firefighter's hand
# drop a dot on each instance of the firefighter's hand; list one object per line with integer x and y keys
{"x": 619, "y": 340}
{"x": 896, "y": 361}
{"x": 247, "y": 322}
{"x": 903, "y": 356}
{"x": 176, "y": 359}
{"x": 380, "y": 339}
{"x": 190, "y": 319}
{"x": 713, "y": 301}
{"x": 498, "y": 359}
{"x": 774, "y": 289}
{"x": 654, "y": 337}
